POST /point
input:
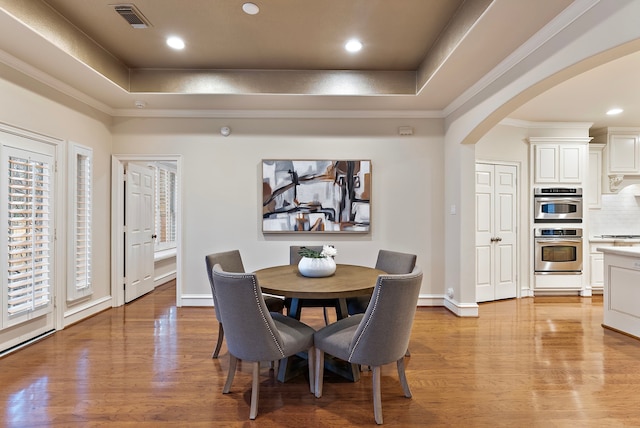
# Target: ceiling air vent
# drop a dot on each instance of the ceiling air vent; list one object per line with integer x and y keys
{"x": 132, "y": 15}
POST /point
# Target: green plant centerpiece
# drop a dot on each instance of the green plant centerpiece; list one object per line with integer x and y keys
{"x": 327, "y": 251}
{"x": 317, "y": 264}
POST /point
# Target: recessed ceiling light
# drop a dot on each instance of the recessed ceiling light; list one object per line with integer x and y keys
{"x": 353, "y": 45}
{"x": 250, "y": 8}
{"x": 175, "y": 42}
{"x": 614, "y": 111}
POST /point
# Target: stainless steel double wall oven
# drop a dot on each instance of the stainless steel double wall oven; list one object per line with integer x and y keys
{"x": 558, "y": 232}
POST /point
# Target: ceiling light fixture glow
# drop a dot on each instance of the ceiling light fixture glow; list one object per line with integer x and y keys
{"x": 614, "y": 111}
{"x": 250, "y": 8}
{"x": 175, "y": 42}
{"x": 353, "y": 45}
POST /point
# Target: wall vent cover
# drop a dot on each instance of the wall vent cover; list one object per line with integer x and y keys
{"x": 132, "y": 15}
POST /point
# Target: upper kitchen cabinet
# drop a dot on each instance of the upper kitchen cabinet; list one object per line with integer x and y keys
{"x": 557, "y": 161}
{"x": 621, "y": 155}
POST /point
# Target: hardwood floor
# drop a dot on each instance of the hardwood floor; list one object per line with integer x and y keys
{"x": 537, "y": 362}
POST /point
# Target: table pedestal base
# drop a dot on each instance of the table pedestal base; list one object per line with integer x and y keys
{"x": 293, "y": 366}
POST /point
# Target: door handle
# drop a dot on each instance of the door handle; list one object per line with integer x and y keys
{"x": 154, "y": 236}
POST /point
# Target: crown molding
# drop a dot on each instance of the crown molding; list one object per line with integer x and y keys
{"x": 42, "y": 77}
{"x": 282, "y": 114}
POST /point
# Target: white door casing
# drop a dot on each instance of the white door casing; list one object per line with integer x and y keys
{"x": 496, "y": 238}
{"x": 117, "y": 222}
{"x": 139, "y": 234}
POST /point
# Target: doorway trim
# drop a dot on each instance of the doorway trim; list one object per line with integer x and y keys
{"x": 519, "y": 227}
{"x": 117, "y": 222}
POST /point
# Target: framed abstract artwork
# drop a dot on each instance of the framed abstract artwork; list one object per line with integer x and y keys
{"x": 316, "y": 196}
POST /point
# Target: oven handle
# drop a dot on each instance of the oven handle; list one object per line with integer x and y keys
{"x": 557, "y": 240}
{"x": 556, "y": 199}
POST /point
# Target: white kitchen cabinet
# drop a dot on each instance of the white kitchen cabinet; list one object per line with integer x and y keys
{"x": 621, "y": 311}
{"x": 624, "y": 153}
{"x": 596, "y": 259}
{"x": 593, "y": 191}
{"x": 621, "y": 155}
{"x": 558, "y": 163}
{"x": 596, "y": 266}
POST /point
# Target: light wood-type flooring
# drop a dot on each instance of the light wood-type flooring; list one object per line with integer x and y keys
{"x": 533, "y": 362}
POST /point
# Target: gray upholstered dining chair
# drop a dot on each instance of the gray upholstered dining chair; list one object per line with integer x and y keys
{"x": 254, "y": 334}
{"x": 294, "y": 259}
{"x": 379, "y": 336}
{"x": 231, "y": 261}
{"x": 392, "y": 262}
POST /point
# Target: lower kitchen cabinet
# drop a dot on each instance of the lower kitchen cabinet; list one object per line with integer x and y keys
{"x": 596, "y": 266}
{"x": 596, "y": 259}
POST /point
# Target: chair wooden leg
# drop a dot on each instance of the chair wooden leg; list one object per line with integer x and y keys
{"x": 233, "y": 362}
{"x": 403, "y": 378}
{"x": 220, "y": 339}
{"x": 407, "y": 354}
{"x": 255, "y": 390}
{"x": 319, "y": 371}
{"x": 311, "y": 358}
{"x": 377, "y": 399}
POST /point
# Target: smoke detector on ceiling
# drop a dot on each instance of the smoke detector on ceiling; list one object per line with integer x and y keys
{"x": 132, "y": 15}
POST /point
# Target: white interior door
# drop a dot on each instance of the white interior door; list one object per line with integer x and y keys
{"x": 139, "y": 233}
{"x": 496, "y": 238}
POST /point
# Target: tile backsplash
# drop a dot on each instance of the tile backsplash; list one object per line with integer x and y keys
{"x": 619, "y": 215}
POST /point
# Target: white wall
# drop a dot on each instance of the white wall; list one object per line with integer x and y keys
{"x": 29, "y": 105}
{"x": 620, "y": 213}
{"x": 222, "y": 185}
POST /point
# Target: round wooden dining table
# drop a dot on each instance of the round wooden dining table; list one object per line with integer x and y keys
{"x": 347, "y": 281}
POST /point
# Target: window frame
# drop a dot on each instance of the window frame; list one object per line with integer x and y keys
{"x": 80, "y": 239}
{"x": 169, "y": 228}
{"x": 42, "y": 271}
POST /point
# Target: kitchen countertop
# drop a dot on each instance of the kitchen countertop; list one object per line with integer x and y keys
{"x": 621, "y": 251}
{"x": 619, "y": 241}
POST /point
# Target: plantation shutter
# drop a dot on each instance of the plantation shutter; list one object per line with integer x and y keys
{"x": 165, "y": 207}
{"x": 29, "y": 232}
{"x": 80, "y": 236}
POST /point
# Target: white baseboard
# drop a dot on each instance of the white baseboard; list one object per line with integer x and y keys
{"x": 526, "y": 292}
{"x": 159, "y": 280}
{"x": 81, "y": 312}
{"x": 462, "y": 309}
{"x": 430, "y": 300}
{"x": 196, "y": 300}
{"x": 207, "y": 300}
